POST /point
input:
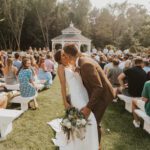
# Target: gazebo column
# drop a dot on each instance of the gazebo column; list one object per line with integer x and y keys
{"x": 79, "y": 47}
{"x": 53, "y": 46}
{"x": 63, "y": 44}
{"x": 89, "y": 48}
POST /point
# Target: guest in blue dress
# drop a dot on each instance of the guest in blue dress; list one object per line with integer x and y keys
{"x": 25, "y": 76}
{"x": 43, "y": 74}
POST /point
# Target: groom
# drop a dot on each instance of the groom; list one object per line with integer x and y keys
{"x": 99, "y": 88}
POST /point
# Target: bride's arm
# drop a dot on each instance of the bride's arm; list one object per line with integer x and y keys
{"x": 61, "y": 74}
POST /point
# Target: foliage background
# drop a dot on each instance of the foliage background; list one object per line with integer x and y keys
{"x": 25, "y": 23}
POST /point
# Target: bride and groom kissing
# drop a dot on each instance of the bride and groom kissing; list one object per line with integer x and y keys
{"x": 90, "y": 91}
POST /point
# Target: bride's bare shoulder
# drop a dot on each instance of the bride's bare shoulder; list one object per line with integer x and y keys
{"x": 61, "y": 68}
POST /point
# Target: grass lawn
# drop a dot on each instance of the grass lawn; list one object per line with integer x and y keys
{"x": 31, "y": 132}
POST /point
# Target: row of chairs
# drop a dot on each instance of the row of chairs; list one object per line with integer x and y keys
{"x": 139, "y": 112}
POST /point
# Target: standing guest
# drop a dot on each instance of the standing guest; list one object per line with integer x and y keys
{"x": 25, "y": 76}
{"x": 50, "y": 65}
{"x": 114, "y": 72}
{"x": 143, "y": 104}
{"x": 136, "y": 77}
{"x": 10, "y": 72}
{"x": 17, "y": 63}
{"x": 43, "y": 73}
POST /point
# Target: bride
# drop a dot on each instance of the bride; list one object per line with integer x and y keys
{"x": 78, "y": 98}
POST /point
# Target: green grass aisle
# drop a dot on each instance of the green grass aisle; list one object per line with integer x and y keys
{"x": 31, "y": 132}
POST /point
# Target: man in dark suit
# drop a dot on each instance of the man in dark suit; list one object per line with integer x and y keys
{"x": 99, "y": 88}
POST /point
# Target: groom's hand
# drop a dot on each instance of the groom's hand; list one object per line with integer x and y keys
{"x": 67, "y": 106}
{"x": 86, "y": 111}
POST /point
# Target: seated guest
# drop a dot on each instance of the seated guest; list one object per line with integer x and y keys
{"x": 143, "y": 104}
{"x": 10, "y": 72}
{"x": 43, "y": 73}
{"x": 6, "y": 97}
{"x": 136, "y": 78}
{"x": 1, "y": 70}
{"x": 50, "y": 65}
{"x": 122, "y": 64}
{"x": 17, "y": 63}
{"x": 35, "y": 68}
{"x": 109, "y": 65}
{"x": 148, "y": 76}
{"x": 34, "y": 65}
{"x": 146, "y": 66}
{"x": 3, "y": 101}
{"x": 114, "y": 72}
{"x": 102, "y": 61}
{"x": 25, "y": 76}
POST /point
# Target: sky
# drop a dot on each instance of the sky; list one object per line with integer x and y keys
{"x": 103, "y": 3}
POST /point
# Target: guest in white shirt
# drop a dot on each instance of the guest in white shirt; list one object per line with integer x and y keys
{"x": 122, "y": 64}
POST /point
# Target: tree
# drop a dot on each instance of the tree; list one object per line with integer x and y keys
{"x": 14, "y": 11}
{"x": 45, "y": 10}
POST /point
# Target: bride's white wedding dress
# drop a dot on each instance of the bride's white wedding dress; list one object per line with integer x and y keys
{"x": 79, "y": 99}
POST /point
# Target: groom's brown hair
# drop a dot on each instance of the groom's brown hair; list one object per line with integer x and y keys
{"x": 71, "y": 50}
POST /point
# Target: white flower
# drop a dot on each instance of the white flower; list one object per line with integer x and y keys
{"x": 83, "y": 122}
{"x": 68, "y": 125}
{"x": 65, "y": 121}
{"x": 78, "y": 122}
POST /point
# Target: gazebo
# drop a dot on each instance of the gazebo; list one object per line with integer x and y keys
{"x": 72, "y": 35}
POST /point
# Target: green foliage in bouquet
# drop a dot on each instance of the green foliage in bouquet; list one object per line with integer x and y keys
{"x": 74, "y": 123}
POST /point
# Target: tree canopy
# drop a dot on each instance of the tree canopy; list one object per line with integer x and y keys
{"x": 25, "y": 23}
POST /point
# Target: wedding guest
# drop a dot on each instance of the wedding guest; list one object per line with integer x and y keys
{"x": 114, "y": 72}
{"x": 136, "y": 77}
{"x": 43, "y": 73}
{"x": 122, "y": 64}
{"x": 102, "y": 61}
{"x": 17, "y": 63}
{"x": 6, "y": 97}
{"x": 10, "y": 72}
{"x": 50, "y": 65}
{"x": 109, "y": 65}
{"x": 25, "y": 76}
{"x": 146, "y": 66}
{"x": 143, "y": 104}
{"x": 34, "y": 66}
{"x": 1, "y": 70}
{"x": 3, "y": 101}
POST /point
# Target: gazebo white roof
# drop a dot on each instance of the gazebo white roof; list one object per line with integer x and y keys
{"x": 71, "y": 30}
{"x": 71, "y": 35}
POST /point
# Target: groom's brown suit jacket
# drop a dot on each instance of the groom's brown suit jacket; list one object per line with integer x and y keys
{"x": 99, "y": 88}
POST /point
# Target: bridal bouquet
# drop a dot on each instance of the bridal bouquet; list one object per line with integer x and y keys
{"x": 74, "y": 124}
